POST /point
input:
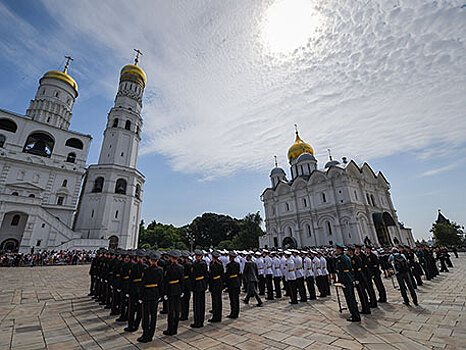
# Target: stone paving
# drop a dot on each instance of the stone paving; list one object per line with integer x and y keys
{"x": 48, "y": 308}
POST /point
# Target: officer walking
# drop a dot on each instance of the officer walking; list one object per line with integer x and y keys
{"x": 250, "y": 274}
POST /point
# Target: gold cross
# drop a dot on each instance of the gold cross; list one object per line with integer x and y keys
{"x": 138, "y": 53}
{"x": 67, "y": 64}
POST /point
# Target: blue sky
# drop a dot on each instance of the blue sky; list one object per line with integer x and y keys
{"x": 382, "y": 82}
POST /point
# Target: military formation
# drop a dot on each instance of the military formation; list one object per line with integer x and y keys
{"x": 132, "y": 283}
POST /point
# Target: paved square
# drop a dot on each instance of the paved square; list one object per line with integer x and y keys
{"x": 48, "y": 308}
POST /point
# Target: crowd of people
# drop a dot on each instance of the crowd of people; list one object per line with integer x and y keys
{"x": 132, "y": 283}
{"x": 46, "y": 257}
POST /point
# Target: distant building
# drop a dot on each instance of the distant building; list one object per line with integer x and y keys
{"x": 341, "y": 202}
{"x": 43, "y": 165}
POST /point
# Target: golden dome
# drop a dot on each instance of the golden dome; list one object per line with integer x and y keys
{"x": 54, "y": 74}
{"x": 299, "y": 147}
{"x": 134, "y": 74}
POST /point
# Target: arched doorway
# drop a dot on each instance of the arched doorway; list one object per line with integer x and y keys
{"x": 382, "y": 221}
{"x": 113, "y": 242}
{"x": 9, "y": 245}
{"x": 289, "y": 242}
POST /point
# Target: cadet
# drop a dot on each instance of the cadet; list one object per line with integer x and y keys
{"x": 366, "y": 276}
{"x": 152, "y": 285}
{"x": 233, "y": 283}
{"x": 345, "y": 277}
{"x": 250, "y": 276}
{"x": 309, "y": 274}
{"x": 268, "y": 271}
{"x": 290, "y": 276}
{"x": 216, "y": 286}
{"x": 116, "y": 285}
{"x": 187, "y": 265}
{"x": 135, "y": 291}
{"x": 277, "y": 275}
{"x": 359, "y": 277}
{"x": 124, "y": 271}
{"x": 300, "y": 274}
{"x": 199, "y": 280}
{"x": 375, "y": 273}
{"x": 174, "y": 286}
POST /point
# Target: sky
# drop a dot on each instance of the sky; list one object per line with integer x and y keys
{"x": 381, "y": 81}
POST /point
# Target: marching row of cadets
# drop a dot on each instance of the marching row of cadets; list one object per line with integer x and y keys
{"x": 133, "y": 282}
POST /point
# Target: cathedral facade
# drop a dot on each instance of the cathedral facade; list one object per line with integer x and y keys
{"x": 48, "y": 198}
{"x": 342, "y": 202}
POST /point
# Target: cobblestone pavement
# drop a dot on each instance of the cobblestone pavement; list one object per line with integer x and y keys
{"x": 48, "y": 308}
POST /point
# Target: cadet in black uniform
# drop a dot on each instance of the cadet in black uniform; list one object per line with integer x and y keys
{"x": 124, "y": 271}
{"x": 367, "y": 278}
{"x": 152, "y": 284}
{"x": 164, "y": 262}
{"x": 93, "y": 273}
{"x": 216, "y": 286}
{"x": 358, "y": 276}
{"x": 173, "y": 290}
{"x": 345, "y": 277}
{"x": 187, "y": 265}
{"x": 233, "y": 283}
{"x": 117, "y": 282}
{"x": 135, "y": 291}
{"x": 375, "y": 273}
{"x": 200, "y": 275}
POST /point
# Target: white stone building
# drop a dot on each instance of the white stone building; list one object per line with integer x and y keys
{"x": 43, "y": 165}
{"x": 343, "y": 202}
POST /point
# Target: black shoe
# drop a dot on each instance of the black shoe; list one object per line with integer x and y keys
{"x": 214, "y": 321}
{"x": 90, "y": 294}
{"x": 163, "y": 312}
{"x": 382, "y": 300}
{"x": 268, "y": 298}
{"x": 353, "y": 319}
{"x": 231, "y": 316}
{"x": 407, "y": 303}
{"x": 303, "y": 300}
{"x": 366, "y": 312}
{"x": 184, "y": 319}
{"x": 293, "y": 302}
{"x": 145, "y": 340}
{"x": 107, "y": 307}
{"x": 128, "y": 329}
{"x": 141, "y": 339}
{"x": 114, "y": 313}
{"x": 415, "y": 303}
{"x": 259, "y": 304}
{"x": 168, "y": 333}
{"x": 246, "y": 302}
{"x": 121, "y": 319}
{"x": 193, "y": 325}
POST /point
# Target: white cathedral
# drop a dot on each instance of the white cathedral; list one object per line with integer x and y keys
{"x": 343, "y": 202}
{"x": 48, "y": 198}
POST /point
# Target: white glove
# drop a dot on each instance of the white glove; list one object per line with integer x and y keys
{"x": 140, "y": 301}
{"x": 118, "y": 290}
{"x": 165, "y": 297}
{"x": 181, "y": 295}
{"x": 127, "y": 295}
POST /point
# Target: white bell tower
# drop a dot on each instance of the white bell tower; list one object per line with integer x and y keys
{"x": 111, "y": 198}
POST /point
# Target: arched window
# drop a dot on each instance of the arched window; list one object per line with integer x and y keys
{"x": 120, "y": 186}
{"x": 74, "y": 143}
{"x": 329, "y": 228}
{"x": 8, "y": 125}
{"x": 115, "y": 122}
{"x": 64, "y": 183}
{"x": 40, "y": 144}
{"x": 137, "y": 193}
{"x": 324, "y": 199}
{"x": 57, "y": 94}
{"x": 15, "y": 194}
{"x": 372, "y": 200}
{"x": 71, "y": 157}
{"x": 308, "y": 230}
{"x": 98, "y": 184}
{"x": 2, "y": 140}
{"x": 32, "y": 195}
{"x": 15, "y": 220}
{"x": 128, "y": 125}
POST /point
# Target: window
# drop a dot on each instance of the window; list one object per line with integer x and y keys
{"x": 305, "y": 202}
{"x": 92, "y": 213}
{"x": 64, "y": 183}
{"x": 71, "y": 158}
{"x": 15, "y": 194}
{"x": 2, "y": 140}
{"x": 38, "y": 243}
{"x": 57, "y": 94}
{"x": 275, "y": 242}
{"x": 43, "y": 225}
{"x": 120, "y": 186}
{"x": 308, "y": 230}
{"x": 74, "y": 143}
{"x": 128, "y": 125}
{"x": 287, "y": 207}
{"x": 39, "y": 144}
{"x": 115, "y": 122}
{"x": 330, "y": 242}
{"x": 329, "y": 228}
{"x": 116, "y": 214}
{"x": 372, "y": 200}
{"x": 324, "y": 199}
{"x": 368, "y": 199}
{"x": 60, "y": 200}
{"x": 355, "y": 195}
{"x": 32, "y": 195}
{"x": 137, "y": 193}
{"x": 98, "y": 185}
{"x": 15, "y": 220}
{"x": 8, "y": 125}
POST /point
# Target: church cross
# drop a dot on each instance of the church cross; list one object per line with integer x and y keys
{"x": 138, "y": 53}
{"x": 67, "y": 64}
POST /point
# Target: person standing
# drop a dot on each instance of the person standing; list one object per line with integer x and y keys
{"x": 124, "y": 294}
{"x": 135, "y": 291}
{"x": 359, "y": 280}
{"x": 261, "y": 273}
{"x": 366, "y": 276}
{"x": 152, "y": 284}
{"x": 233, "y": 283}
{"x": 268, "y": 274}
{"x": 325, "y": 275}
{"x": 300, "y": 274}
{"x": 345, "y": 277}
{"x": 200, "y": 275}
{"x": 187, "y": 266}
{"x": 173, "y": 291}
{"x": 290, "y": 275}
{"x": 250, "y": 275}
{"x": 400, "y": 266}
{"x": 277, "y": 275}
{"x": 216, "y": 286}
{"x": 375, "y": 273}
{"x": 309, "y": 276}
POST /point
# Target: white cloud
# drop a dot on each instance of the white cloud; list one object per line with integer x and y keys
{"x": 375, "y": 78}
{"x": 441, "y": 169}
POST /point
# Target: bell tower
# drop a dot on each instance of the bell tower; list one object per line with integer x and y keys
{"x": 111, "y": 199}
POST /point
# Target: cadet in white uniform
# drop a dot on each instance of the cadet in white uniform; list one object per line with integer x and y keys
{"x": 300, "y": 276}
{"x": 325, "y": 282}
{"x": 291, "y": 277}
{"x": 277, "y": 274}
{"x": 261, "y": 271}
{"x": 309, "y": 275}
{"x": 268, "y": 275}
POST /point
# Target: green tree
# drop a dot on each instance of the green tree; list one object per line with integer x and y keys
{"x": 210, "y": 229}
{"x": 227, "y": 244}
{"x": 250, "y": 231}
{"x": 447, "y": 234}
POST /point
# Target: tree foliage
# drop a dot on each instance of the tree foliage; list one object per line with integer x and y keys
{"x": 209, "y": 230}
{"x": 447, "y": 234}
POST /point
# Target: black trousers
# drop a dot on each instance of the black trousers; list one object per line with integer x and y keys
{"x": 301, "y": 289}
{"x": 199, "y": 307}
{"x": 173, "y": 317}
{"x": 365, "y": 308}
{"x": 405, "y": 281}
{"x": 278, "y": 291}
{"x": 320, "y": 286}
{"x": 285, "y": 287}
{"x": 269, "y": 283}
{"x": 443, "y": 266}
{"x": 149, "y": 318}
{"x": 216, "y": 305}
{"x": 427, "y": 270}
{"x": 116, "y": 295}
{"x": 380, "y": 288}
{"x": 369, "y": 287}
{"x": 310, "y": 287}
{"x": 293, "y": 291}
{"x": 261, "y": 284}
{"x": 350, "y": 298}
{"x": 134, "y": 311}
{"x": 326, "y": 284}
{"x": 92, "y": 288}
{"x": 185, "y": 305}
{"x": 124, "y": 305}
{"x": 252, "y": 292}
{"x": 233, "y": 294}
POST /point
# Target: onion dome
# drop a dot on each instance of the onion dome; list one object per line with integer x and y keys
{"x": 63, "y": 76}
{"x": 277, "y": 171}
{"x": 299, "y": 147}
{"x": 133, "y": 73}
{"x": 306, "y": 157}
